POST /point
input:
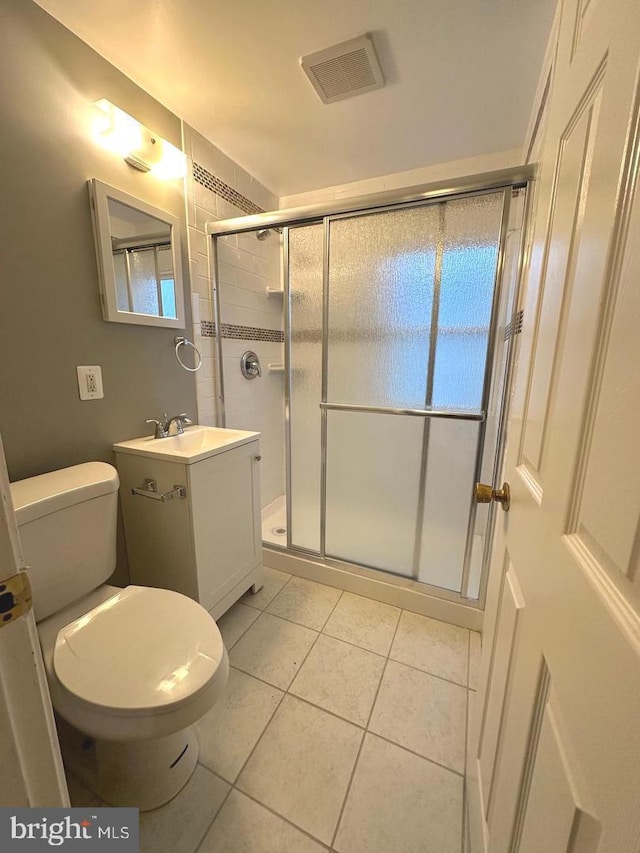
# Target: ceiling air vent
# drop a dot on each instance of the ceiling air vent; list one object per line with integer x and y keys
{"x": 347, "y": 69}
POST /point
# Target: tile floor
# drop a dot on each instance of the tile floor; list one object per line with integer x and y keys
{"x": 342, "y": 728}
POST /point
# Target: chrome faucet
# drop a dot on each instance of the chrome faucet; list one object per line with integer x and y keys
{"x": 170, "y": 426}
{"x": 175, "y": 425}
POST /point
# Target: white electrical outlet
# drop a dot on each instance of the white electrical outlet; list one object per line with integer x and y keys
{"x": 90, "y": 382}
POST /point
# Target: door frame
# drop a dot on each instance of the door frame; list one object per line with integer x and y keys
{"x": 496, "y": 574}
{"x": 32, "y": 769}
{"x": 527, "y": 682}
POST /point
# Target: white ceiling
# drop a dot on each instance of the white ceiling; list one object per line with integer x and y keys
{"x": 461, "y": 77}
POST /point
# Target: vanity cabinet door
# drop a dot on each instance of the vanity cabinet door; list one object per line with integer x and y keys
{"x": 224, "y": 493}
{"x": 159, "y": 536}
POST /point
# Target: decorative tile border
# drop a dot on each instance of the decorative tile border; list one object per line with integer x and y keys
{"x": 219, "y": 187}
{"x": 251, "y": 333}
{"x": 241, "y": 333}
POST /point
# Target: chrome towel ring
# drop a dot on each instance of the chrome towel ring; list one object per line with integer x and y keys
{"x": 181, "y": 341}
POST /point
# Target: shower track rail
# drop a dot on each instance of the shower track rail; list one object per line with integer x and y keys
{"x": 442, "y": 190}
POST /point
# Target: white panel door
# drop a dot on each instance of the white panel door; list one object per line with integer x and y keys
{"x": 32, "y": 771}
{"x": 554, "y": 751}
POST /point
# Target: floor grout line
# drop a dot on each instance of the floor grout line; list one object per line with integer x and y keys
{"x": 247, "y": 601}
{"x": 309, "y": 652}
{"x": 285, "y": 693}
{"x": 338, "y": 600}
{"x": 326, "y": 711}
{"x": 282, "y": 817}
{"x": 363, "y": 729}
{"x": 416, "y": 754}
{"x": 234, "y": 785}
{"x": 355, "y": 645}
{"x": 348, "y": 788}
{"x": 427, "y": 672}
{"x": 283, "y": 587}
{"x": 257, "y": 678}
{"x": 366, "y": 728}
{"x": 217, "y": 811}
{"x": 255, "y": 746}
{"x": 237, "y": 640}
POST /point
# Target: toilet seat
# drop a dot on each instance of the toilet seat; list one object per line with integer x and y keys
{"x": 139, "y": 651}
{"x": 142, "y": 663}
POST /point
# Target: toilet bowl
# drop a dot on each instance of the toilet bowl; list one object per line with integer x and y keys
{"x": 130, "y": 670}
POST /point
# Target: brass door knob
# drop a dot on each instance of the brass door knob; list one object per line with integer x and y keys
{"x": 485, "y": 494}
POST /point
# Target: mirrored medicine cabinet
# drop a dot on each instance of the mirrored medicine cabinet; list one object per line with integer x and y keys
{"x": 139, "y": 259}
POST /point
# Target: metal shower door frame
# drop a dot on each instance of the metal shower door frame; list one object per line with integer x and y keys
{"x": 427, "y": 415}
{"x": 506, "y": 180}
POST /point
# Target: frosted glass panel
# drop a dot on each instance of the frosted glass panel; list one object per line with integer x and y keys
{"x": 470, "y": 256}
{"x": 395, "y": 279}
{"x": 305, "y": 354}
{"x": 449, "y": 488}
{"x": 458, "y": 380}
{"x": 373, "y": 472}
{"x": 144, "y": 284}
{"x": 120, "y": 271}
{"x": 381, "y": 284}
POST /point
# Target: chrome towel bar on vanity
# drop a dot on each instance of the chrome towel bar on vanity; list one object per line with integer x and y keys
{"x": 149, "y": 489}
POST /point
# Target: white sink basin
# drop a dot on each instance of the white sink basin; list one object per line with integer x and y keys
{"x": 195, "y": 443}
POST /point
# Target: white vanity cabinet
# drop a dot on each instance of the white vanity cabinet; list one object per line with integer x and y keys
{"x": 207, "y": 543}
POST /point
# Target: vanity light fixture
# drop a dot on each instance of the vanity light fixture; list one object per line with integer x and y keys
{"x": 136, "y": 144}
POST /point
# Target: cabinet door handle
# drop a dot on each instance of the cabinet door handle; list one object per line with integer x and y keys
{"x": 257, "y": 458}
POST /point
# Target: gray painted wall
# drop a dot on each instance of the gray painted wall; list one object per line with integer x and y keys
{"x": 50, "y": 318}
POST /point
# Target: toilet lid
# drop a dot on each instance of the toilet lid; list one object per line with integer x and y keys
{"x": 141, "y": 650}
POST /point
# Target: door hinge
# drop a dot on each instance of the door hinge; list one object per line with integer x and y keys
{"x": 15, "y": 598}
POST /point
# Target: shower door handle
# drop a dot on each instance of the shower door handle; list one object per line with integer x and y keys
{"x": 485, "y": 494}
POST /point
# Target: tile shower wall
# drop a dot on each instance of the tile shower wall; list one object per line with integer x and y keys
{"x": 217, "y": 188}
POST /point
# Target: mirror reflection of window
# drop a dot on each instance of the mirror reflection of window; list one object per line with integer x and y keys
{"x": 142, "y": 260}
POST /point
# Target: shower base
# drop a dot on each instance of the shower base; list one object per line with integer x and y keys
{"x": 274, "y": 522}
{"x": 389, "y": 589}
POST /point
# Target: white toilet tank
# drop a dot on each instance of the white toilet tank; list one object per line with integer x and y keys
{"x": 67, "y": 522}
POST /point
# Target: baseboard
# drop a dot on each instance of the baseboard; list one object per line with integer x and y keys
{"x": 475, "y": 825}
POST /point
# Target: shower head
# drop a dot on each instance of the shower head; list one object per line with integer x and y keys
{"x": 263, "y": 233}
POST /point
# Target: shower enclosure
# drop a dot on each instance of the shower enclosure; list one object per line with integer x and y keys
{"x": 397, "y": 324}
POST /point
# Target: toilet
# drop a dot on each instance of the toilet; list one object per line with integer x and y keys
{"x": 130, "y": 670}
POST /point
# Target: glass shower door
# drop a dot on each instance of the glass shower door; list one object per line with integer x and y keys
{"x": 408, "y": 312}
{"x": 380, "y": 305}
